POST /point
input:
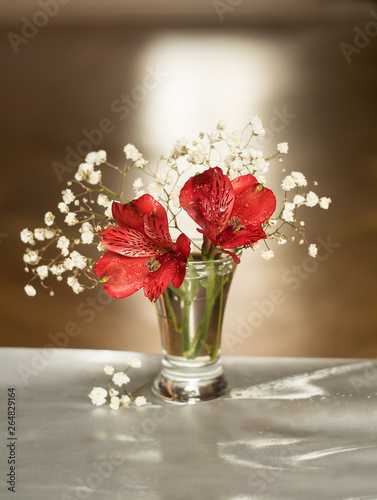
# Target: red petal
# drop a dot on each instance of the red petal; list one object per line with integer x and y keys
{"x": 156, "y": 226}
{"x": 132, "y": 214}
{"x": 208, "y": 198}
{"x": 247, "y": 236}
{"x": 183, "y": 246}
{"x": 124, "y": 275}
{"x": 128, "y": 242}
{"x": 253, "y": 204}
{"x": 157, "y": 281}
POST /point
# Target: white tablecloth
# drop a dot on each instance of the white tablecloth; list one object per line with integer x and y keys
{"x": 290, "y": 429}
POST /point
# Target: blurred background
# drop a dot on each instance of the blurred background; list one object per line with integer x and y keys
{"x": 306, "y": 67}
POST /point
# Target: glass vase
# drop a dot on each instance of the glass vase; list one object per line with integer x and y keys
{"x": 190, "y": 320}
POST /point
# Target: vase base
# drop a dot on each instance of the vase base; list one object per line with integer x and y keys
{"x": 177, "y": 385}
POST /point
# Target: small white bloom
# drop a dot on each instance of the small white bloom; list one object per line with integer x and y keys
{"x": 109, "y": 212}
{"x": 324, "y": 202}
{"x": 31, "y": 257}
{"x": 109, "y": 369}
{"x": 103, "y": 200}
{"x": 68, "y": 264}
{"x": 96, "y": 158}
{"x": 98, "y": 396}
{"x": 68, "y": 196}
{"x": 134, "y": 362}
{"x": 299, "y": 179}
{"x": 78, "y": 259}
{"x": 27, "y": 236}
{"x": 74, "y": 284}
{"x": 283, "y": 148}
{"x": 84, "y": 171}
{"x": 100, "y": 247}
{"x": 260, "y": 178}
{"x": 287, "y": 214}
{"x": 114, "y": 403}
{"x": 282, "y": 240}
{"x": 39, "y": 233}
{"x": 49, "y": 233}
{"x": 257, "y": 126}
{"x": 138, "y": 184}
{"x": 120, "y": 378}
{"x": 301, "y": 242}
{"x": 140, "y": 401}
{"x": 261, "y": 165}
{"x": 298, "y": 199}
{"x": 42, "y": 272}
{"x": 234, "y": 139}
{"x": 63, "y": 207}
{"x": 313, "y": 250}
{"x": 197, "y": 156}
{"x": 311, "y": 199}
{"x": 215, "y": 136}
{"x": 124, "y": 400}
{"x": 221, "y": 125}
{"x": 131, "y": 152}
{"x": 95, "y": 177}
{"x": 57, "y": 269}
{"x": 180, "y": 147}
{"x": 87, "y": 237}
{"x": 49, "y": 218}
{"x": 288, "y": 183}
{"x": 71, "y": 219}
{"x": 113, "y": 392}
{"x": 30, "y": 290}
{"x": 154, "y": 189}
{"x": 255, "y": 153}
{"x": 267, "y": 254}
{"x": 236, "y": 164}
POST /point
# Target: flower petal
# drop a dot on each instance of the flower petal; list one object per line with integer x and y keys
{"x": 124, "y": 275}
{"x": 128, "y": 242}
{"x": 247, "y": 236}
{"x": 156, "y": 226}
{"x": 132, "y": 214}
{"x": 254, "y": 204}
{"x": 208, "y": 198}
{"x": 157, "y": 281}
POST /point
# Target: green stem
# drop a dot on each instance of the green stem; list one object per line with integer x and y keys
{"x": 187, "y": 299}
{"x": 219, "y": 321}
{"x": 172, "y": 315}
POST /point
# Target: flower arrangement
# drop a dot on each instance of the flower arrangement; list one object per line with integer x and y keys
{"x": 218, "y": 181}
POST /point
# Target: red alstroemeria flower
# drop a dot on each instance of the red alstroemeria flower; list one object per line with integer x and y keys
{"x": 230, "y": 213}
{"x": 140, "y": 252}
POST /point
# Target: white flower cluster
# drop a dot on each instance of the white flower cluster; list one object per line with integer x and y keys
{"x": 100, "y": 396}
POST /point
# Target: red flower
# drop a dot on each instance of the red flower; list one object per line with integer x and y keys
{"x": 230, "y": 213}
{"x": 140, "y": 252}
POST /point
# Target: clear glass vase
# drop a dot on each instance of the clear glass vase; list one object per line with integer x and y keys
{"x": 190, "y": 320}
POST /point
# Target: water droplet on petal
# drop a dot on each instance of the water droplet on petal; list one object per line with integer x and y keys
{"x": 247, "y": 205}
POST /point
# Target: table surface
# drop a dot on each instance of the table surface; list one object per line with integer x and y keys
{"x": 291, "y": 428}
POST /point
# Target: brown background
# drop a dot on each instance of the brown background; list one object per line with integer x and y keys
{"x": 262, "y": 57}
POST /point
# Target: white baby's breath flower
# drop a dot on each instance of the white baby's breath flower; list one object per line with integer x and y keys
{"x": 42, "y": 272}
{"x": 298, "y": 199}
{"x": 63, "y": 242}
{"x": 100, "y": 247}
{"x": 98, "y": 396}
{"x": 74, "y": 284}
{"x": 267, "y": 254}
{"x": 236, "y": 164}
{"x": 27, "y": 236}
{"x": 49, "y": 218}
{"x": 114, "y": 403}
{"x": 49, "y": 233}
{"x": 288, "y": 214}
{"x": 30, "y": 290}
{"x": 64, "y": 209}
{"x": 120, "y": 378}
{"x": 283, "y": 148}
{"x": 324, "y": 202}
{"x": 68, "y": 196}
{"x": 131, "y": 152}
{"x": 154, "y": 189}
{"x": 299, "y": 179}
{"x": 84, "y": 171}
{"x": 103, "y": 200}
{"x": 134, "y": 362}
{"x": 197, "y": 155}
{"x": 180, "y": 147}
{"x": 288, "y": 183}
{"x": 78, "y": 259}
{"x": 87, "y": 237}
{"x": 140, "y": 401}
{"x": 109, "y": 369}
{"x": 95, "y": 177}
{"x": 96, "y": 157}
{"x": 260, "y": 178}
{"x": 109, "y": 212}
{"x": 113, "y": 392}
{"x": 313, "y": 250}
{"x": 260, "y": 165}
{"x": 31, "y": 257}
{"x": 71, "y": 219}
{"x": 40, "y": 233}
{"x": 255, "y": 153}
{"x": 257, "y": 126}
{"x": 124, "y": 400}
{"x": 282, "y": 240}
{"x": 57, "y": 269}
{"x": 311, "y": 199}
